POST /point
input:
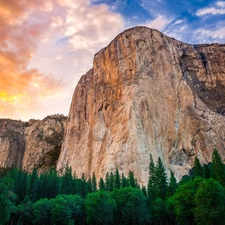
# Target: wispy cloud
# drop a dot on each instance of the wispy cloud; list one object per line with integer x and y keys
{"x": 218, "y": 33}
{"x": 91, "y": 27}
{"x": 160, "y": 22}
{"x": 176, "y": 22}
{"x": 219, "y": 8}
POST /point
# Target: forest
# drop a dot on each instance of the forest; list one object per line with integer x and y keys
{"x": 47, "y": 199}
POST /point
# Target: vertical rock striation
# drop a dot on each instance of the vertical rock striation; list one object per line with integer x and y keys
{"x": 147, "y": 93}
{"x": 12, "y": 143}
{"x": 33, "y": 144}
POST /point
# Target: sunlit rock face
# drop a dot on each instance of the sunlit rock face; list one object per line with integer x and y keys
{"x": 147, "y": 93}
{"x": 33, "y": 144}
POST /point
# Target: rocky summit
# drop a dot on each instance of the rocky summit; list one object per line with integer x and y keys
{"x": 33, "y": 144}
{"x": 147, "y": 94}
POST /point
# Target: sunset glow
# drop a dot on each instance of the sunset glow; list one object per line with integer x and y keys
{"x": 47, "y": 45}
{"x": 37, "y": 37}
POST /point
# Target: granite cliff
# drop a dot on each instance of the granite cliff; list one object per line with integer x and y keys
{"x": 147, "y": 93}
{"x": 33, "y": 144}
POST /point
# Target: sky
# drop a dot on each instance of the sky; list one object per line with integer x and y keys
{"x": 47, "y": 45}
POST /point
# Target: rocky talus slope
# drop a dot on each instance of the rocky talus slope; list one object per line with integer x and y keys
{"x": 147, "y": 93}
{"x": 33, "y": 144}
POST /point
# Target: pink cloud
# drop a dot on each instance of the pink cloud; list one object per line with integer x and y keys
{"x": 31, "y": 74}
{"x": 21, "y": 87}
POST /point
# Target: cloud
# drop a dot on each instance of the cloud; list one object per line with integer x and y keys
{"x": 42, "y": 45}
{"x": 218, "y": 33}
{"x": 160, "y": 22}
{"x": 218, "y": 9}
{"x": 92, "y": 27}
{"x": 178, "y": 22}
{"x": 21, "y": 88}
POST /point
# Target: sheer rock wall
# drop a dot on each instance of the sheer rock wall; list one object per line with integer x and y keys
{"x": 147, "y": 93}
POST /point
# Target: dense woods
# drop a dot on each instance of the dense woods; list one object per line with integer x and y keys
{"x": 199, "y": 198}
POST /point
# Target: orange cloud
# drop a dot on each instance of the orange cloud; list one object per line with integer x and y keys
{"x": 22, "y": 90}
{"x": 56, "y": 37}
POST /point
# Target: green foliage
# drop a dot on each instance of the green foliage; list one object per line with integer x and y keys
{"x": 99, "y": 208}
{"x": 218, "y": 171}
{"x": 117, "y": 182}
{"x": 172, "y": 185}
{"x": 50, "y": 199}
{"x": 61, "y": 212}
{"x": 7, "y": 199}
{"x": 157, "y": 183}
{"x": 82, "y": 186}
{"x": 93, "y": 183}
{"x": 131, "y": 180}
{"x": 67, "y": 181}
{"x": 4, "y": 209}
{"x": 131, "y": 207}
{"x": 161, "y": 180}
{"x": 159, "y": 211}
{"x": 151, "y": 181}
{"x": 25, "y": 210}
{"x": 111, "y": 181}
{"x": 67, "y": 208}
{"x": 198, "y": 169}
{"x": 107, "y": 182}
{"x": 124, "y": 181}
{"x": 102, "y": 185}
{"x": 210, "y": 203}
{"x": 183, "y": 201}
{"x": 33, "y": 186}
{"x": 42, "y": 211}
{"x": 53, "y": 184}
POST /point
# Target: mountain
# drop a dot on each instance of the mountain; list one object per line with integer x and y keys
{"x": 147, "y": 94}
{"x": 33, "y": 144}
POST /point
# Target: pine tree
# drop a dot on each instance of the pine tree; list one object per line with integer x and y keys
{"x": 22, "y": 185}
{"x": 207, "y": 170}
{"x": 81, "y": 186}
{"x": 172, "y": 185}
{"x": 42, "y": 189}
{"x": 198, "y": 170}
{"x": 151, "y": 181}
{"x": 107, "y": 182}
{"x": 132, "y": 180}
{"x": 93, "y": 182}
{"x": 124, "y": 181}
{"x": 218, "y": 171}
{"x": 117, "y": 181}
{"x": 67, "y": 181}
{"x": 53, "y": 184}
{"x": 33, "y": 186}
{"x": 144, "y": 191}
{"x": 157, "y": 183}
{"x": 101, "y": 185}
{"x": 89, "y": 185}
{"x": 161, "y": 180}
{"x": 111, "y": 182}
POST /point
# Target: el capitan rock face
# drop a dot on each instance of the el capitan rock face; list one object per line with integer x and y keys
{"x": 147, "y": 93}
{"x": 33, "y": 144}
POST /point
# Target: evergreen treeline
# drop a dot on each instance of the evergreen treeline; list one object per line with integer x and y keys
{"x": 199, "y": 198}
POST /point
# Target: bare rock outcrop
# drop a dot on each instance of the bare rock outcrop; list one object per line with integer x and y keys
{"x": 12, "y": 143}
{"x": 33, "y": 144}
{"x": 147, "y": 93}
